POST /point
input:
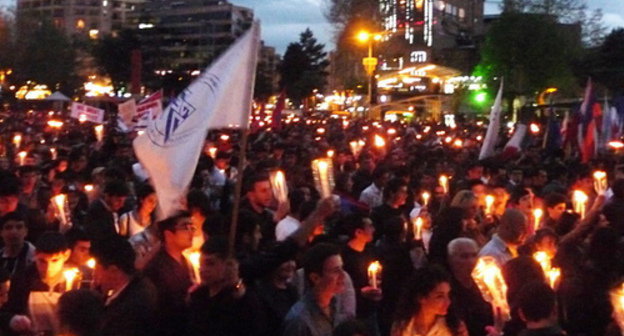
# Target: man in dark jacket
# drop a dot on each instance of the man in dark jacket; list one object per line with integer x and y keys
{"x": 103, "y": 214}
{"x": 129, "y": 307}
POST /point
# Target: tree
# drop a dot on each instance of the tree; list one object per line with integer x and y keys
{"x": 565, "y": 11}
{"x": 304, "y": 67}
{"x": 605, "y": 64}
{"x": 113, "y": 56}
{"x": 45, "y": 55}
{"x": 348, "y": 17}
{"x": 531, "y": 51}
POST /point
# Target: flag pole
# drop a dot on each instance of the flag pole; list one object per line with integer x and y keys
{"x": 242, "y": 155}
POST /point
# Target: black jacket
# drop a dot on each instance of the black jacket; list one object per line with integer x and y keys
{"x": 132, "y": 312}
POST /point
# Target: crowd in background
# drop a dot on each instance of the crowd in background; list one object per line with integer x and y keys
{"x": 301, "y": 267}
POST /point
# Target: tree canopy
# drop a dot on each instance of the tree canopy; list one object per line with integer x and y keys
{"x": 303, "y": 68}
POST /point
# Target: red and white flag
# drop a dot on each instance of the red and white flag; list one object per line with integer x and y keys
{"x": 220, "y": 97}
{"x": 514, "y": 144}
{"x": 84, "y": 112}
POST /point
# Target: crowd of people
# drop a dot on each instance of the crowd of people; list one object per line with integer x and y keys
{"x": 102, "y": 263}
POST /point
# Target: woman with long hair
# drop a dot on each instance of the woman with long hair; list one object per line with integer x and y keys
{"x": 423, "y": 310}
{"x": 139, "y": 219}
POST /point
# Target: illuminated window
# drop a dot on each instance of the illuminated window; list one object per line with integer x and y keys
{"x": 462, "y": 13}
{"x": 80, "y": 24}
{"x": 93, "y": 34}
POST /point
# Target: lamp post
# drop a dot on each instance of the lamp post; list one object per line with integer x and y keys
{"x": 370, "y": 62}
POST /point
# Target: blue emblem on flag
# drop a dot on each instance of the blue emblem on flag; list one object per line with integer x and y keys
{"x": 179, "y": 111}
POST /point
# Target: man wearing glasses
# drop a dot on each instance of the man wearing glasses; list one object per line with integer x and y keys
{"x": 171, "y": 273}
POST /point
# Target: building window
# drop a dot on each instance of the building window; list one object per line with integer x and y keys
{"x": 462, "y": 14}
{"x": 80, "y": 24}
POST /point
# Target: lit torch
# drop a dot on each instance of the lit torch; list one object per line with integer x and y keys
{"x": 425, "y": 197}
{"x": 418, "y": 224}
{"x": 444, "y": 183}
{"x": 617, "y": 301}
{"x": 279, "y": 186}
{"x": 489, "y": 279}
{"x": 579, "y": 200}
{"x": 99, "y": 132}
{"x": 322, "y": 170}
{"x": 489, "y": 203}
{"x": 537, "y": 218}
{"x": 70, "y": 276}
{"x": 600, "y": 182}
{"x": 60, "y": 201}
{"x": 374, "y": 270}
{"x": 194, "y": 259}
{"x": 22, "y": 157}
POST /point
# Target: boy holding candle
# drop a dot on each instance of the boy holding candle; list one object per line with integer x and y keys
{"x": 171, "y": 272}
{"x": 357, "y": 256}
{"x": 45, "y": 277}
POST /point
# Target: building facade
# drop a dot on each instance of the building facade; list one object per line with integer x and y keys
{"x": 90, "y": 18}
{"x": 187, "y": 35}
{"x": 429, "y": 31}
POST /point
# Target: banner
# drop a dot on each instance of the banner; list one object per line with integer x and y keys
{"x": 84, "y": 112}
{"x": 491, "y": 137}
{"x": 148, "y": 109}
{"x": 514, "y": 144}
{"x": 127, "y": 110}
{"x": 220, "y": 97}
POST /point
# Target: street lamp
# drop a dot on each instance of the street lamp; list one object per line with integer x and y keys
{"x": 370, "y": 62}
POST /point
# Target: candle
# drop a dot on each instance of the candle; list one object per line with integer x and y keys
{"x": 330, "y": 153}
{"x": 356, "y": 147}
{"x": 55, "y": 124}
{"x": 212, "y": 151}
{"x": 600, "y": 181}
{"x": 425, "y": 197}
{"x": 70, "y": 275}
{"x": 60, "y": 201}
{"x": 379, "y": 142}
{"x": 224, "y": 137}
{"x": 53, "y": 153}
{"x": 458, "y": 143}
{"x": 489, "y": 202}
{"x": 392, "y": 131}
{"x": 537, "y": 218}
{"x": 418, "y": 224}
{"x": 444, "y": 183}
{"x": 22, "y": 157}
{"x": 553, "y": 277}
{"x": 99, "y": 132}
{"x": 194, "y": 259}
{"x": 320, "y": 130}
{"x": 579, "y": 200}
{"x": 17, "y": 140}
{"x": 488, "y": 277}
{"x": 322, "y": 170}
{"x": 91, "y": 263}
{"x": 617, "y": 302}
{"x": 279, "y": 186}
{"x": 374, "y": 270}
{"x": 543, "y": 259}
{"x": 345, "y": 124}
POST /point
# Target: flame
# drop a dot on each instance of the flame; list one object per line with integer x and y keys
{"x": 490, "y": 281}
{"x": 91, "y": 263}
{"x": 379, "y": 141}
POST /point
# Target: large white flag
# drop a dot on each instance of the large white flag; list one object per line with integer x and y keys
{"x": 221, "y": 97}
{"x": 491, "y": 137}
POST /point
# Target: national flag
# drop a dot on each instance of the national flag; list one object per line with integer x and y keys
{"x": 514, "y": 144}
{"x": 85, "y": 112}
{"x": 277, "y": 112}
{"x": 220, "y": 97}
{"x": 491, "y": 137}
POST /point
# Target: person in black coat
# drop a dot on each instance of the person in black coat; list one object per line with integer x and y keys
{"x": 103, "y": 214}
{"x": 129, "y": 307}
